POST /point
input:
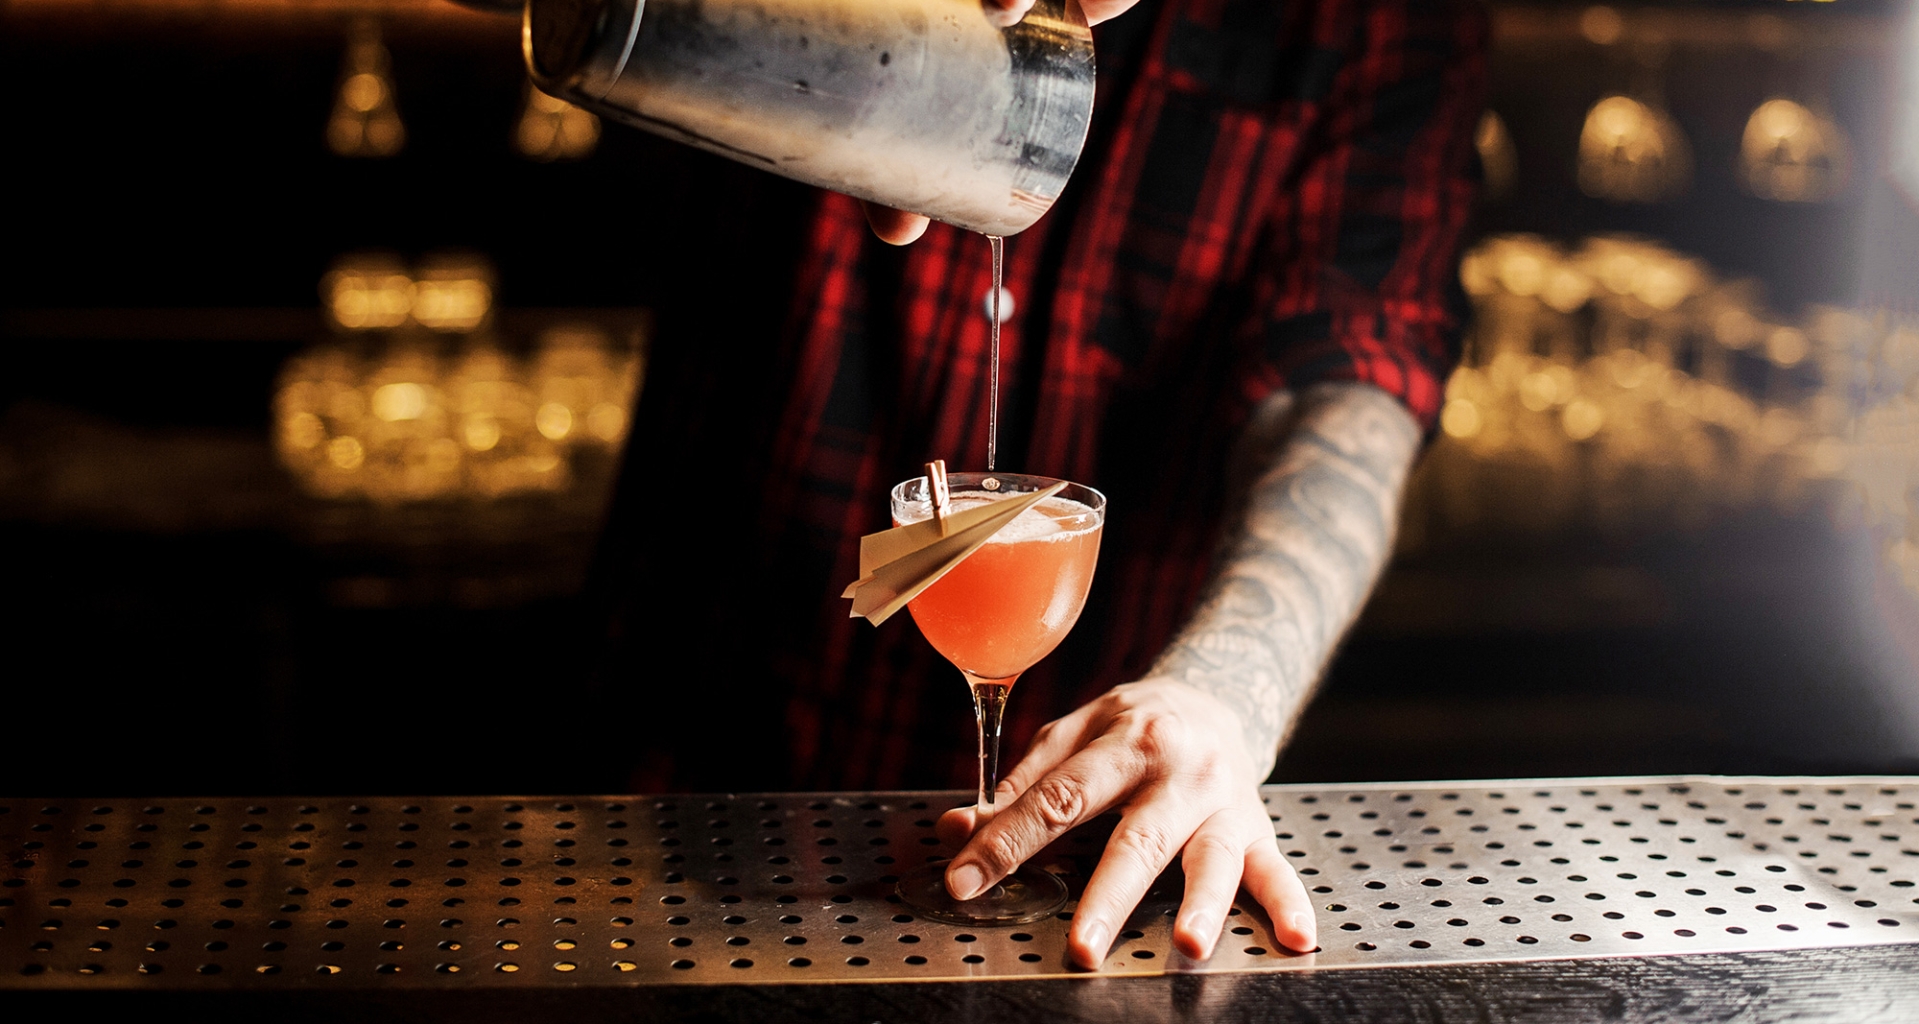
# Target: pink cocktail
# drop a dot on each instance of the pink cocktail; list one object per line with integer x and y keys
{"x": 994, "y": 615}
{"x": 1011, "y": 602}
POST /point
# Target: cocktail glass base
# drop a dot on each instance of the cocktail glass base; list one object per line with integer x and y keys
{"x": 1022, "y": 897}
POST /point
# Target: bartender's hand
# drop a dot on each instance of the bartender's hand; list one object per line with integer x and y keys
{"x": 898, "y": 227}
{"x": 1172, "y": 759}
{"x": 1007, "y": 13}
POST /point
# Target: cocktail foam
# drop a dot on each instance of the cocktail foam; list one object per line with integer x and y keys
{"x": 1050, "y": 519}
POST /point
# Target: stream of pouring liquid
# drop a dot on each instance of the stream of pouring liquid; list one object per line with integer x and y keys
{"x": 992, "y": 387}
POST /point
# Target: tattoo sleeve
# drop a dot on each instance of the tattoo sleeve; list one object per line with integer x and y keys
{"x": 1317, "y": 483}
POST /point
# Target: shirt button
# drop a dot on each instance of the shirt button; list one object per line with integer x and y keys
{"x": 1006, "y": 306}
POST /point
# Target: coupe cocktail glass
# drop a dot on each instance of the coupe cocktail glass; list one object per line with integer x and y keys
{"x": 994, "y": 616}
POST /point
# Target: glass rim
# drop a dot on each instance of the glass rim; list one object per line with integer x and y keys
{"x": 1023, "y": 483}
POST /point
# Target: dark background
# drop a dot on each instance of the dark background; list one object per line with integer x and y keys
{"x": 181, "y": 618}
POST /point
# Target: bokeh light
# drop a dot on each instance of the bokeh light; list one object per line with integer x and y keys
{"x": 1624, "y": 386}
{"x": 1498, "y": 156}
{"x": 370, "y": 291}
{"x": 365, "y": 122}
{"x": 453, "y": 292}
{"x": 551, "y": 129}
{"x": 1631, "y": 151}
{"x": 413, "y": 403}
{"x": 1790, "y": 154}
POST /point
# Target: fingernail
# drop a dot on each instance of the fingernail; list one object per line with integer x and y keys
{"x": 1302, "y": 924}
{"x": 1099, "y": 939}
{"x": 1204, "y": 931}
{"x": 965, "y": 881}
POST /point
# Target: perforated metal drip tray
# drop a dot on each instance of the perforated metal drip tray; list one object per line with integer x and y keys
{"x": 793, "y": 888}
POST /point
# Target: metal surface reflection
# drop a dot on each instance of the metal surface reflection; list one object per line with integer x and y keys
{"x": 501, "y": 893}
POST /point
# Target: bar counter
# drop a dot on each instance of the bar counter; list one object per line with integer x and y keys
{"x": 1567, "y": 899}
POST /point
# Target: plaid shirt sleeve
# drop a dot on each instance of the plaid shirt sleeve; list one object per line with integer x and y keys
{"x": 1357, "y": 277}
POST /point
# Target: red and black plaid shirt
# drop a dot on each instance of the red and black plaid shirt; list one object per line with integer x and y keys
{"x": 1273, "y": 195}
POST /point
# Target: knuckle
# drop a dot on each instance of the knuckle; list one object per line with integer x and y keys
{"x": 1059, "y": 801}
{"x": 1148, "y": 844}
{"x": 1212, "y": 846}
{"x": 1159, "y": 736}
{"x": 998, "y": 849}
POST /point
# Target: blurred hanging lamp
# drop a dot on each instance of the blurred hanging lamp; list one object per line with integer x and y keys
{"x": 1632, "y": 152}
{"x": 365, "y": 123}
{"x": 1630, "y": 148}
{"x": 1498, "y": 158}
{"x": 1790, "y": 154}
{"x": 552, "y": 129}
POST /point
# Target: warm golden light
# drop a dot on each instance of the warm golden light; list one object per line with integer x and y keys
{"x": 1567, "y": 289}
{"x": 375, "y": 291}
{"x": 1498, "y": 157}
{"x": 572, "y": 377}
{"x": 1630, "y": 151}
{"x": 365, "y": 121}
{"x": 368, "y": 292}
{"x": 552, "y": 129}
{"x": 1602, "y": 26}
{"x": 402, "y": 401}
{"x": 1460, "y": 418}
{"x": 1582, "y": 419}
{"x": 451, "y": 305}
{"x": 346, "y": 452}
{"x": 607, "y": 422}
{"x": 403, "y": 419}
{"x": 1536, "y": 391}
{"x": 554, "y": 420}
{"x": 453, "y": 292}
{"x": 363, "y": 92}
{"x": 1671, "y": 397}
{"x": 1735, "y": 328}
{"x": 305, "y": 430}
{"x": 1786, "y": 346}
{"x": 1792, "y": 155}
{"x": 482, "y": 432}
{"x": 1523, "y": 273}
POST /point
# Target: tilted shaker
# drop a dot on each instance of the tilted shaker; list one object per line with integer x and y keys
{"x": 923, "y": 105}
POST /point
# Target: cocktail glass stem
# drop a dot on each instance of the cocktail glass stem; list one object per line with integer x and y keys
{"x": 989, "y": 706}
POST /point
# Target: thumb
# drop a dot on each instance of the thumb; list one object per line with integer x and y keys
{"x": 1006, "y": 13}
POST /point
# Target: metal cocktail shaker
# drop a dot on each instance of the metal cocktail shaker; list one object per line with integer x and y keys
{"x": 922, "y": 105}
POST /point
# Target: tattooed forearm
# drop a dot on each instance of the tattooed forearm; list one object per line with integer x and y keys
{"x": 1321, "y": 477}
